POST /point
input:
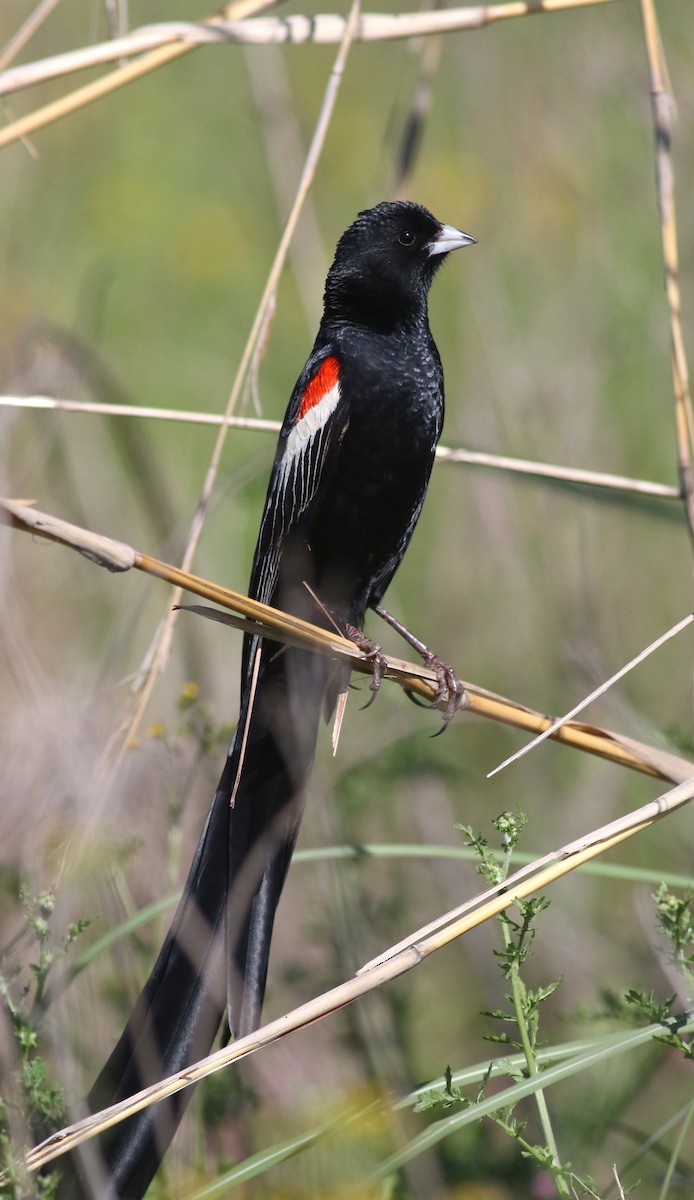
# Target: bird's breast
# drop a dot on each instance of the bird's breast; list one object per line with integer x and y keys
{"x": 392, "y": 398}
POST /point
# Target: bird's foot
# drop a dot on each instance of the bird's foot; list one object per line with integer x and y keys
{"x": 373, "y": 652}
{"x": 451, "y": 695}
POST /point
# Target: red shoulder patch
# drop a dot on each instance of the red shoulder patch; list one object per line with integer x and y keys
{"x": 323, "y": 382}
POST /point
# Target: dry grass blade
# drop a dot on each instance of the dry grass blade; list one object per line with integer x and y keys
{"x": 598, "y": 691}
{"x": 523, "y": 466}
{"x": 102, "y": 408}
{"x": 444, "y": 454}
{"x": 592, "y": 739}
{"x": 168, "y": 41}
{"x": 158, "y": 56}
{"x": 26, "y": 31}
{"x": 395, "y": 962}
{"x": 269, "y": 622}
{"x": 663, "y": 107}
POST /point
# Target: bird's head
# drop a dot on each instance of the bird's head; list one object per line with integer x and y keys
{"x": 385, "y": 262}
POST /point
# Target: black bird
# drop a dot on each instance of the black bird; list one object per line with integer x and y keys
{"x": 350, "y": 474}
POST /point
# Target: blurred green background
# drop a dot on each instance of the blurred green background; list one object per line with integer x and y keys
{"x": 135, "y": 240}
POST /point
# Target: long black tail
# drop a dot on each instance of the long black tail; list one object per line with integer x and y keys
{"x": 215, "y": 956}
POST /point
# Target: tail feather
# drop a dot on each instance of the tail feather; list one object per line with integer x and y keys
{"x": 215, "y": 957}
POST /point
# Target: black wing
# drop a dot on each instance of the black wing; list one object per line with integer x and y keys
{"x": 314, "y": 425}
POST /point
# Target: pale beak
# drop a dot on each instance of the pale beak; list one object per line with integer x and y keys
{"x": 450, "y": 238}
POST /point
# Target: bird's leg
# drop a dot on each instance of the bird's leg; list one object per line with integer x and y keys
{"x": 372, "y": 651}
{"x": 368, "y": 647}
{"x": 451, "y": 695}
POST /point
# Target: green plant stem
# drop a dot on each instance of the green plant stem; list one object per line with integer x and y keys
{"x": 518, "y": 996}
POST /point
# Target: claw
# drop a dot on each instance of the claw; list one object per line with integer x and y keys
{"x": 372, "y": 651}
{"x": 451, "y": 695}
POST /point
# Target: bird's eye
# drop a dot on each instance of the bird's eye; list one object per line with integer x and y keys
{"x": 406, "y": 238}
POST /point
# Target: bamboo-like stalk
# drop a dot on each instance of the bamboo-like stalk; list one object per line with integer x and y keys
{"x": 444, "y": 454}
{"x": 168, "y": 41}
{"x": 390, "y": 965}
{"x": 662, "y": 106}
{"x": 269, "y": 622}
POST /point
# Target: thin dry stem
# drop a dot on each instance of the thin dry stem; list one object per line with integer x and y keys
{"x": 393, "y": 963}
{"x": 598, "y": 691}
{"x": 523, "y": 466}
{"x": 160, "y": 53}
{"x": 26, "y": 31}
{"x": 167, "y": 41}
{"x": 662, "y": 104}
{"x": 444, "y": 454}
{"x": 99, "y": 408}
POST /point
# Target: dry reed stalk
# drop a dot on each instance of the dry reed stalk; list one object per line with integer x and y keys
{"x": 168, "y": 41}
{"x": 26, "y": 31}
{"x": 554, "y": 472}
{"x": 394, "y": 962}
{"x": 159, "y": 55}
{"x": 102, "y": 408}
{"x": 676, "y": 629}
{"x": 444, "y": 454}
{"x": 266, "y": 621}
{"x": 662, "y": 105}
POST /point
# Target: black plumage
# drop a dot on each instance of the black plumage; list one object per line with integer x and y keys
{"x": 350, "y": 474}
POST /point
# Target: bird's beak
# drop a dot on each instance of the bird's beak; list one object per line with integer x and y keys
{"x": 450, "y": 238}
